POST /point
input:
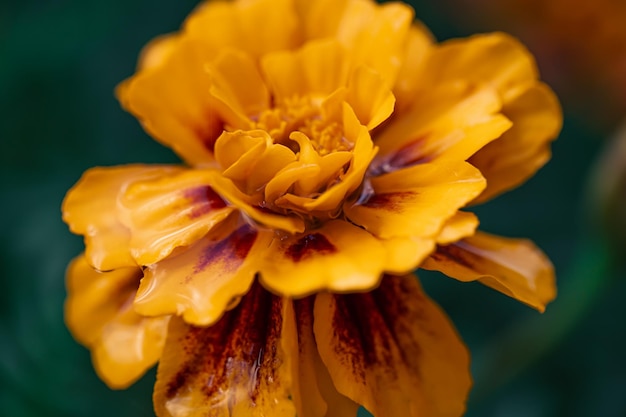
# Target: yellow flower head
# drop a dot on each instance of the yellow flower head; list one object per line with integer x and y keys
{"x": 329, "y": 147}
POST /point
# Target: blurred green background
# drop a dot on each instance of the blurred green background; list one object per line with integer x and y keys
{"x": 59, "y": 63}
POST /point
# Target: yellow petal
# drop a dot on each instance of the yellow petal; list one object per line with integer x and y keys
{"x": 173, "y": 103}
{"x": 171, "y": 211}
{"x": 99, "y": 313}
{"x": 254, "y": 209}
{"x": 370, "y": 97}
{"x": 338, "y": 256}
{"x": 393, "y": 351}
{"x": 462, "y": 224}
{"x": 90, "y": 209}
{"x": 319, "y": 68}
{"x": 416, "y": 201}
{"x": 419, "y": 44}
{"x": 451, "y": 121}
{"x": 496, "y": 59}
{"x": 238, "y": 88}
{"x": 251, "y": 159}
{"x": 201, "y": 282}
{"x": 237, "y": 367}
{"x": 321, "y": 18}
{"x": 313, "y": 391}
{"x": 515, "y": 267}
{"x": 375, "y": 34}
{"x": 522, "y": 150}
{"x": 404, "y": 254}
{"x": 256, "y": 27}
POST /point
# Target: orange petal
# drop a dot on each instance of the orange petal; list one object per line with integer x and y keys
{"x": 237, "y": 367}
{"x": 173, "y": 103}
{"x": 462, "y": 224}
{"x": 450, "y": 121}
{"x": 313, "y": 391}
{"x": 419, "y": 44}
{"x": 170, "y": 211}
{"x": 319, "y": 68}
{"x": 256, "y": 27}
{"x": 375, "y": 34}
{"x": 515, "y": 267}
{"x": 416, "y": 201}
{"x": 90, "y": 209}
{"x": 99, "y": 313}
{"x": 202, "y": 281}
{"x": 496, "y": 59}
{"x": 370, "y": 97}
{"x": 393, "y": 351}
{"x": 238, "y": 88}
{"x": 338, "y": 256}
{"x": 522, "y": 150}
{"x": 321, "y": 18}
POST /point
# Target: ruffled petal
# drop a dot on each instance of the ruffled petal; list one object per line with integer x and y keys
{"x": 377, "y": 37}
{"x": 338, "y": 256}
{"x": 319, "y": 68}
{"x": 370, "y": 97}
{"x": 522, "y": 150}
{"x": 239, "y": 91}
{"x": 313, "y": 391}
{"x": 257, "y": 27}
{"x": 450, "y": 121}
{"x": 462, "y": 224}
{"x": 416, "y": 201}
{"x": 515, "y": 267}
{"x": 99, "y": 313}
{"x": 237, "y": 367}
{"x": 206, "y": 279}
{"x": 419, "y": 44}
{"x": 90, "y": 209}
{"x": 170, "y": 211}
{"x": 173, "y": 102}
{"x": 496, "y": 59}
{"x": 393, "y": 351}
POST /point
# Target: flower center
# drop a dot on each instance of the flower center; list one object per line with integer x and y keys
{"x": 302, "y": 114}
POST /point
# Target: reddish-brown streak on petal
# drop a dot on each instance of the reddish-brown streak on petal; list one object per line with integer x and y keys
{"x": 303, "y": 309}
{"x": 453, "y": 253}
{"x": 206, "y": 200}
{"x": 410, "y": 154}
{"x": 229, "y": 251}
{"x": 307, "y": 245}
{"x": 241, "y": 348}
{"x": 389, "y": 201}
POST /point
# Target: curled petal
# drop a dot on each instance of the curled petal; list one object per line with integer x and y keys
{"x": 99, "y": 313}
{"x": 257, "y": 27}
{"x": 523, "y": 149}
{"x": 206, "y": 279}
{"x": 462, "y": 224}
{"x": 90, "y": 209}
{"x": 173, "y": 103}
{"x": 496, "y": 59}
{"x": 370, "y": 97}
{"x": 170, "y": 211}
{"x": 393, "y": 351}
{"x": 416, "y": 201}
{"x": 450, "y": 121}
{"x": 237, "y": 87}
{"x": 237, "y": 367}
{"x": 515, "y": 267}
{"x": 313, "y": 391}
{"x": 338, "y": 256}
{"x": 318, "y": 69}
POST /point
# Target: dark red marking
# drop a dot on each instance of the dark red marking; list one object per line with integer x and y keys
{"x": 204, "y": 200}
{"x": 389, "y": 201}
{"x": 412, "y": 153}
{"x": 308, "y": 245}
{"x": 232, "y": 250}
{"x": 454, "y": 253}
{"x": 241, "y": 349}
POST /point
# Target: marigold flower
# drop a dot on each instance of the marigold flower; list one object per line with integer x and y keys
{"x": 329, "y": 147}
